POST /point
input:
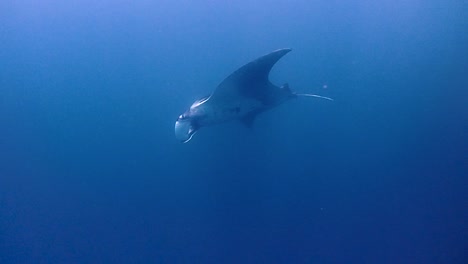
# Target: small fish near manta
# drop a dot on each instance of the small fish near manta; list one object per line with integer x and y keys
{"x": 243, "y": 95}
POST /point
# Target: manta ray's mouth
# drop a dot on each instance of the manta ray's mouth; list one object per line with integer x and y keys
{"x": 184, "y": 130}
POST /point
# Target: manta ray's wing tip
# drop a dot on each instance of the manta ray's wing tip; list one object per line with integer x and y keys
{"x": 285, "y": 50}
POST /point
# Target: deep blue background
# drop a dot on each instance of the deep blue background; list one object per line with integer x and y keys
{"x": 90, "y": 171}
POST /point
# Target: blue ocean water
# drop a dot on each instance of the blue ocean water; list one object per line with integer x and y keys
{"x": 90, "y": 170}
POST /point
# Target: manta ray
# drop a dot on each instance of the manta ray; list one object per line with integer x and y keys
{"x": 243, "y": 95}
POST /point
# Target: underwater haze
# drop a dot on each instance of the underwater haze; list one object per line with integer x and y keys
{"x": 91, "y": 171}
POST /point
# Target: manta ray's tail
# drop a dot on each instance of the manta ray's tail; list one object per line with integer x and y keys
{"x": 313, "y": 95}
{"x": 293, "y": 94}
